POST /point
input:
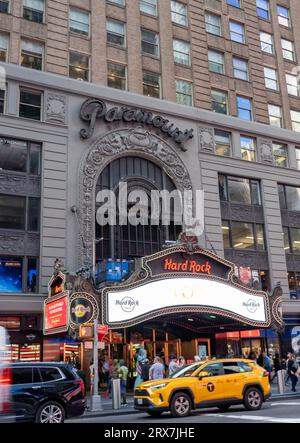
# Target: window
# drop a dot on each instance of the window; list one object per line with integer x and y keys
{"x": 232, "y": 368}
{"x": 280, "y": 152}
{"x": 223, "y": 143}
{"x": 115, "y": 32}
{"x": 298, "y": 157}
{"x": 275, "y": 115}
{"x": 213, "y": 24}
{"x": 151, "y": 84}
{"x": 30, "y": 104}
{"x": 184, "y": 92}
{"x": 289, "y": 197}
{"x": 117, "y": 2}
{"x": 150, "y": 43}
{"x": 260, "y": 237}
{"x": 22, "y": 376}
{"x": 2, "y": 100}
{"x": 248, "y": 148}
{"x": 237, "y": 32}
{"x": 236, "y": 3}
{"x": 181, "y": 51}
{"x": 283, "y": 16}
{"x": 148, "y": 6}
{"x": 216, "y": 62}
{"x": 263, "y": 9}
{"x": 271, "y": 80}
{"x": 3, "y": 47}
{"x": 79, "y": 66}
{"x": 295, "y": 116}
{"x": 292, "y": 84}
{"x": 13, "y": 273}
{"x": 242, "y": 235}
{"x": 33, "y": 211}
{"x": 34, "y": 10}
{"x": 4, "y": 6}
{"x": 50, "y": 374}
{"x": 286, "y": 239}
{"x": 239, "y": 190}
{"x": 244, "y": 108}
{"x": 116, "y": 76}
{"x": 213, "y": 369}
{"x": 79, "y": 21}
{"x": 179, "y": 13}
{"x": 245, "y": 367}
{"x": 294, "y": 285}
{"x": 219, "y": 102}
{"x": 20, "y": 156}
{"x": 295, "y": 239}
{"x": 267, "y": 42}
{"x": 32, "y": 275}
{"x": 32, "y": 55}
{"x": 12, "y": 212}
{"x": 225, "y": 234}
{"x": 240, "y": 68}
{"x": 288, "y": 50}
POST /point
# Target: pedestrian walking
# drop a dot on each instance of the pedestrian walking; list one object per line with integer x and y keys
{"x": 277, "y": 365}
{"x": 181, "y": 362}
{"x": 105, "y": 370}
{"x": 92, "y": 377}
{"x": 292, "y": 370}
{"x": 157, "y": 370}
{"x": 145, "y": 370}
{"x": 123, "y": 375}
{"x": 173, "y": 365}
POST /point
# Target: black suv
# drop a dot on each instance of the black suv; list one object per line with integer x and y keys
{"x": 45, "y": 392}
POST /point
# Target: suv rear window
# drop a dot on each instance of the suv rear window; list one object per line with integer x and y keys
{"x": 21, "y": 376}
{"x": 50, "y": 374}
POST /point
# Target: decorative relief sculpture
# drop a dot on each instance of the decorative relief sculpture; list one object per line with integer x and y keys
{"x": 206, "y": 140}
{"x": 266, "y": 151}
{"x": 56, "y": 108}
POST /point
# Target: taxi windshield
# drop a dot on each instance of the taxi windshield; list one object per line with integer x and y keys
{"x": 186, "y": 371}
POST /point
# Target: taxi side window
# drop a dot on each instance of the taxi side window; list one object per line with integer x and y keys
{"x": 232, "y": 368}
{"x": 213, "y": 369}
{"x": 245, "y": 367}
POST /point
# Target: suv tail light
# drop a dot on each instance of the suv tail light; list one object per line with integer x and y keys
{"x": 5, "y": 382}
{"x": 266, "y": 374}
{"x": 81, "y": 384}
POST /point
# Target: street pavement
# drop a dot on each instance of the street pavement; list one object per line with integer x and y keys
{"x": 273, "y": 411}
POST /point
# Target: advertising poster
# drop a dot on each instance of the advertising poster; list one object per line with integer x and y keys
{"x": 56, "y": 316}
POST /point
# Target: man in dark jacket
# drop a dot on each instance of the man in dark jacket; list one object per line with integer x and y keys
{"x": 291, "y": 370}
{"x": 145, "y": 370}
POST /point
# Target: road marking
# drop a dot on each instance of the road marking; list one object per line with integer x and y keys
{"x": 291, "y": 403}
{"x": 257, "y": 418}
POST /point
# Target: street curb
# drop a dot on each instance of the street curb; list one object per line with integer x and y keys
{"x": 284, "y": 396}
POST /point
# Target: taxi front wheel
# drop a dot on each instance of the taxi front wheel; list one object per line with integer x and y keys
{"x": 181, "y": 405}
{"x": 253, "y": 399}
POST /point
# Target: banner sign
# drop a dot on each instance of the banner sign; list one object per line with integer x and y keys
{"x": 56, "y": 314}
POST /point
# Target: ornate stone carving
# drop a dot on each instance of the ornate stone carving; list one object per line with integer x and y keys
{"x": 206, "y": 140}
{"x": 56, "y": 108}
{"x": 266, "y": 151}
{"x": 12, "y": 243}
{"x": 113, "y": 145}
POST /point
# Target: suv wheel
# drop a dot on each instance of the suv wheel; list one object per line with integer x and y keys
{"x": 253, "y": 399}
{"x": 50, "y": 412}
{"x": 181, "y": 405}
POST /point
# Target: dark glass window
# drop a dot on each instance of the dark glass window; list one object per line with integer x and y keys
{"x": 151, "y": 84}
{"x": 292, "y": 198}
{"x": 32, "y": 274}
{"x": 219, "y": 102}
{"x": 231, "y": 368}
{"x": 33, "y": 10}
{"x": 36, "y": 376}
{"x": 263, "y": 9}
{"x": 239, "y": 190}
{"x": 294, "y": 285}
{"x": 115, "y": 32}
{"x": 116, "y": 76}
{"x": 4, "y": 6}
{"x": 32, "y": 55}
{"x": 2, "y": 100}
{"x": 213, "y": 369}
{"x": 295, "y": 239}
{"x": 236, "y": 3}
{"x": 30, "y": 104}
{"x": 260, "y": 237}
{"x": 286, "y": 239}
{"x": 50, "y": 374}
{"x": 226, "y": 234}
{"x": 22, "y": 376}
{"x": 33, "y": 214}
{"x": 150, "y": 43}
{"x": 223, "y": 188}
{"x": 244, "y": 367}
{"x": 79, "y": 66}
{"x": 35, "y": 159}
{"x": 242, "y": 235}
{"x": 14, "y": 156}
{"x": 12, "y": 212}
{"x": 281, "y": 194}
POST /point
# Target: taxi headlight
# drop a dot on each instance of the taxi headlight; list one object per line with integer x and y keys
{"x": 155, "y": 387}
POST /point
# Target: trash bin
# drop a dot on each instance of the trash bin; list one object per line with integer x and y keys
{"x": 281, "y": 380}
{"x": 116, "y": 393}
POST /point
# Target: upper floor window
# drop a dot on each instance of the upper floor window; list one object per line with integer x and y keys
{"x": 2, "y": 100}
{"x": 30, "y": 104}
{"x": 19, "y": 213}
{"x": 150, "y": 43}
{"x": 248, "y": 148}
{"x": 3, "y": 47}
{"x": 213, "y": 24}
{"x": 240, "y": 68}
{"x": 289, "y": 197}
{"x": 116, "y": 76}
{"x": 19, "y": 274}
{"x": 148, "y": 6}
{"x": 288, "y": 50}
{"x": 216, "y": 62}
{"x": 283, "y": 16}
{"x": 295, "y": 116}
{"x": 32, "y": 54}
{"x": 271, "y": 78}
{"x": 267, "y": 42}
{"x": 292, "y": 84}
{"x": 280, "y": 153}
{"x": 117, "y": 2}
{"x": 151, "y": 84}
{"x": 236, "y": 3}
{"x": 239, "y": 190}
{"x": 219, "y": 102}
{"x": 79, "y": 66}
{"x": 275, "y": 115}
{"x": 242, "y": 235}
{"x": 79, "y": 21}
{"x": 181, "y": 51}
{"x": 223, "y": 143}
{"x": 115, "y": 32}
{"x": 4, "y": 6}
{"x": 297, "y": 150}
{"x": 34, "y": 10}
{"x": 244, "y": 108}
{"x": 237, "y": 31}
{"x": 20, "y": 156}
{"x": 179, "y": 13}
{"x": 263, "y": 9}
{"x": 184, "y": 92}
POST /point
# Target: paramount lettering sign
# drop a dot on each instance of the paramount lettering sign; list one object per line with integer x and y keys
{"x": 94, "y": 109}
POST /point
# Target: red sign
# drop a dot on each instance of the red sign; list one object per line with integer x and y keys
{"x": 102, "y": 331}
{"x": 56, "y": 315}
{"x": 187, "y": 266}
{"x": 245, "y": 275}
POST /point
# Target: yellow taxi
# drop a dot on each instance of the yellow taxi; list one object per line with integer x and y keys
{"x": 221, "y": 383}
